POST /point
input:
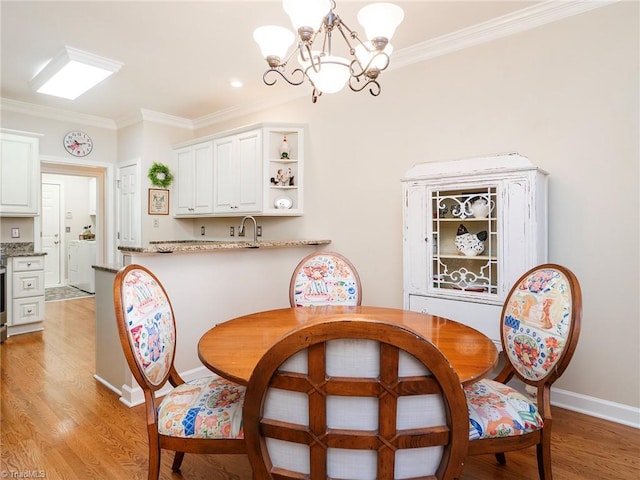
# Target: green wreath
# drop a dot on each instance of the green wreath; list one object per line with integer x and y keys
{"x": 160, "y": 175}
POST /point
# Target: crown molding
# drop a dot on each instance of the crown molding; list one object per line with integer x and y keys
{"x": 516, "y": 22}
{"x": 16, "y": 106}
{"x": 248, "y": 108}
{"x": 145, "y": 115}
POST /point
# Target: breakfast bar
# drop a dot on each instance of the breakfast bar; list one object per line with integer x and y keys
{"x": 208, "y": 283}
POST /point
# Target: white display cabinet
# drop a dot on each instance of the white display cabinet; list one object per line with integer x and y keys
{"x": 471, "y": 228}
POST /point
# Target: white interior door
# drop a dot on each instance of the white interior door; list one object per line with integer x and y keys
{"x": 52, "y": 233}
{"x": 129, "y": 206}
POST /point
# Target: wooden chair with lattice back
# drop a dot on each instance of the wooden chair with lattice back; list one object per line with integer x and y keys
{"x": 199, "y": 416}
{"x": 325, "y": 278}
{"x": 540, "y": 326}
{"x": 351, "y": 397}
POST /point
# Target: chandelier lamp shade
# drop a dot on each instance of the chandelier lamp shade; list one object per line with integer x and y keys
{"x": 358, "y": 64}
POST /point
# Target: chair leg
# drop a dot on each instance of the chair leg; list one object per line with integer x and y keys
{"x": 543, "y": 451}
{"x": 501, "y": 458}
{"x": 154, "y": 463}
{"x": 177, "y": 461}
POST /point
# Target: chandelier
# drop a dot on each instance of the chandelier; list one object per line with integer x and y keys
{"x": 328, "y": 71}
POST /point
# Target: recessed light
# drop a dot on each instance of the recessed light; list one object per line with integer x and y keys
{"x": 72, "y": 72}
{"x": 236, "y": 83}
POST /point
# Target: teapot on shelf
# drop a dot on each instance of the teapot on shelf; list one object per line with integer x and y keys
{"x": 481, "y": 207}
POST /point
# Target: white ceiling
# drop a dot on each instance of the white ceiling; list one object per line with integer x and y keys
{"x": 179, "y": 56}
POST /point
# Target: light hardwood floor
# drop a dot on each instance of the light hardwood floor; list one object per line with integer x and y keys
{"x": 58, "y": 422}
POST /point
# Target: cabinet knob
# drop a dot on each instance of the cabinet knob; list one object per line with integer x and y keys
{"x": 28, "y": 264}
{"x": 29, "y": 285}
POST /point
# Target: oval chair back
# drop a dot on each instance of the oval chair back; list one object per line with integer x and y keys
{"x": 355, "y": 398}
{"x": 325, "y": 278}
{"x": 146, "y": 322}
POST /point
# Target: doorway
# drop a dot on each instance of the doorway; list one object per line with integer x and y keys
{"x": 72, "y": 202}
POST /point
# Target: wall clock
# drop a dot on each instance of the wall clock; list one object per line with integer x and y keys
{"x": 78, "y": 144}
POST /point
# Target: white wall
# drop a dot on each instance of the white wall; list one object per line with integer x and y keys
{"x": 566, "y": 96}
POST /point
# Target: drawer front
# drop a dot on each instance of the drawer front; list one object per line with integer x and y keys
{"x": 28, "y": 284}
{"x": 27, "y": 264}
{"x": 27, "y": 310}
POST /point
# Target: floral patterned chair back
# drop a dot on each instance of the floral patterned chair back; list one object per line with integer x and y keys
{"x": 538, "y": 328}
{"x": 325, "y": 278}
{"x": 150, "y": 327}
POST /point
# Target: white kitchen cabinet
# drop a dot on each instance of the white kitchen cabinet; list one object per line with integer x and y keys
{"x": 281, "y": 198}
{"x": 237, "y": 173}
{"x": 193, "y": 190}
{"x": 19, "y": 174}
{"x": 25, "y": 294}
{"x": 439, "y": 198}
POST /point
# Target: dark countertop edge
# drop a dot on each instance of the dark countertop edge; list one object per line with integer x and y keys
{"x": 206, "y": 246}
{"x": 106, "y": 268}
{"x": 22, "y": 254}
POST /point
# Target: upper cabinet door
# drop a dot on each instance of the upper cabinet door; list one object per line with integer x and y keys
{"x": 237, "y": 175}
{"x": 19, "y": 175}
{"x": 194, "y": 180}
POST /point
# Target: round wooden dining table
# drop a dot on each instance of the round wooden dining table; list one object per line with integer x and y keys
{"x": 233, "y": 348}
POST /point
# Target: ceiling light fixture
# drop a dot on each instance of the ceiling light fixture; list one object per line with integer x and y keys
{"x": 72, "y": 72}
{"x": 328, "y": 72}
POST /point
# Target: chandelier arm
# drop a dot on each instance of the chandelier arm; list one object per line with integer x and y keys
{"x": 315, "y": 94}
{"x": 352, "y": 34}
{"x": 374, "y": 89}
{"x": 312, "y": 61}
{"x": 279, "y": 72}
{"x": 370, "y": 65}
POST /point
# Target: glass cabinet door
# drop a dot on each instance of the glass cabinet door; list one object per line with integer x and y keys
{"x": 464, "y": 229}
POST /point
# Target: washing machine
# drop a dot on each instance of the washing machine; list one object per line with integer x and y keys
{"x": 81, "y": 258}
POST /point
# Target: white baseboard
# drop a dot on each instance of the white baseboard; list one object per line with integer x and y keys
{"x": 107, "y": 384}
{"x": 596, "y": 407}
{"x": 132, "y": 395}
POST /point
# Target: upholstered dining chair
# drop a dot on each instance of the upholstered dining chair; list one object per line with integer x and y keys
{"x": 355, "y": 398}
{"x": 325, "y": 278}
{"x": 540, "y": 326}
{"x": 199, "y": 416}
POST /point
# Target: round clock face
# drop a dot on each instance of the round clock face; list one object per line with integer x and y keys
{"x": 78, "y": 144}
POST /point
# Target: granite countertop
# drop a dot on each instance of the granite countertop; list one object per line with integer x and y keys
{"x": 213, "y": 245}
{"x": 18, "y": 249}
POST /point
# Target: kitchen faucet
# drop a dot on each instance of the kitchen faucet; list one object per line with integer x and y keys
{"x": 255, "y": 228}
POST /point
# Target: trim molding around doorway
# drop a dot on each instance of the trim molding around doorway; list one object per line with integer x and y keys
{"x": 104, "y": 172}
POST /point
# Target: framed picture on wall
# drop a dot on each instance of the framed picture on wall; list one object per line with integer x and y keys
{"x": 158, "y": 201}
